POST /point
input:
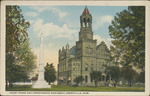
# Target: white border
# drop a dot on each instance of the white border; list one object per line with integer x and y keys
{"x": 93, "y": 3}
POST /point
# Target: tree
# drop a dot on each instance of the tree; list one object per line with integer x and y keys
{"x": 25, "y": 57}
{"x": 20, "y": 60}
{"x": 128, "y": 33}
{"x": 129, "y": 74}
{"x": 78, "y": 79}
{"x": 50, "y": 73}
{"x": 96, "y": 76}
{"x": 115, "y": 73}
{"x": 14, "y": 72}
{"x": 141, "y": 77}
{"x": 20, "y": 64}
{"x": 16, "y": 28}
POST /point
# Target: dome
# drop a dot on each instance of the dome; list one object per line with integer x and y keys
{"x": 73, "y": 50}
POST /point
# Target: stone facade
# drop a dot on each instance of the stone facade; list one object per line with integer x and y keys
{"x": 83, "y": 58}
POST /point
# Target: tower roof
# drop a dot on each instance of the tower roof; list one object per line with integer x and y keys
{"x": 86, "y": 11}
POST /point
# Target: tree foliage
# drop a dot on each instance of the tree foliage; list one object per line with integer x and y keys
{"x": 78, "y": 79}
{"x": 25, "y": 57}
{"x": 14, "y": 73}
{"x": 128, "y": 33}
{"x": 20, "y": 64}
{"x": 16, "y": 28}
{"x": 115, "y": 73}
{"x": 50, "y": 73}
{"x": 129, "y": 74}
{"x": 141, "y": 77}
{"x": 20, "y": 60}
{"x": 96, "y": 76}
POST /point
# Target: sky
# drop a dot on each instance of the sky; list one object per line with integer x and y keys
{"x": 61, "y": 25}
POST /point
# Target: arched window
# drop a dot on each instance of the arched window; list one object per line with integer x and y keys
{"x": 84, "y": 22}
{"x": 103, "y": 78}
{"x": 88, "y": 21}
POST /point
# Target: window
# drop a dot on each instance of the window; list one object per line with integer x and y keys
{"x": 64, "y": 67}
{"x": 84, "y": 22}
{"x": 74, "y": 69}
{"x": 86, "y": 67}
{"x": 99, "y": 69}
{"x": 86, "y": 79}
{"x": 100, "y": 63}
{"x": 103, "y": 78}
{"x": 91, "y": 68}
{"x": 91, "y": 80}
{"x": 88, "y": 21}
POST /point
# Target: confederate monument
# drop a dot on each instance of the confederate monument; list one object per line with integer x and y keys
{"x": 41, "y": 83}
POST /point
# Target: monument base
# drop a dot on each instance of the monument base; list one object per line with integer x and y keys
{"x": 41, "y": 84}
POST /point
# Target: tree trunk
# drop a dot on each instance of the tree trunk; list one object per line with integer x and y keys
{"x": 115, "y": 83}
{"x": 138, "y": 85}
{"x": 96, "y": 83}
{"x": 130, "y": 84}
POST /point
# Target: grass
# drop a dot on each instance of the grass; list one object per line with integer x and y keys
{"x": 134, "y": 85}
{"x": 70, "y": 88}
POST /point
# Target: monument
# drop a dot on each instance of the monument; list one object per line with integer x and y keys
{"x": 41, "y": 83}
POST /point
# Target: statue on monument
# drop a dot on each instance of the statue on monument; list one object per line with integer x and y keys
{"x": 41, "y": 83}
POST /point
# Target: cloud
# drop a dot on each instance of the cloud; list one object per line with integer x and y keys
{"x": 100, "y": 39}
{"x": 102, "y": 20}
{"x": 50, "y": 29}
{"x": 54, "y": 10}
{"x": 31, "y": 14}
{"x": 39, "y": 9}
{"x": 50, "y": 55}
{"x": 106, "y": 19}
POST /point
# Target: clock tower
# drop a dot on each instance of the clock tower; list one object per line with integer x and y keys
{"x": 86, "y": 45}
{"x": 86, "y": 25}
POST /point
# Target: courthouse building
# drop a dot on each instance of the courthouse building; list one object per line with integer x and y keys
{"x": 83, "y": 58}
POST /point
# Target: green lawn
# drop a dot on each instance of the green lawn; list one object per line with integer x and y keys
{"x": 70, "y": 88}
